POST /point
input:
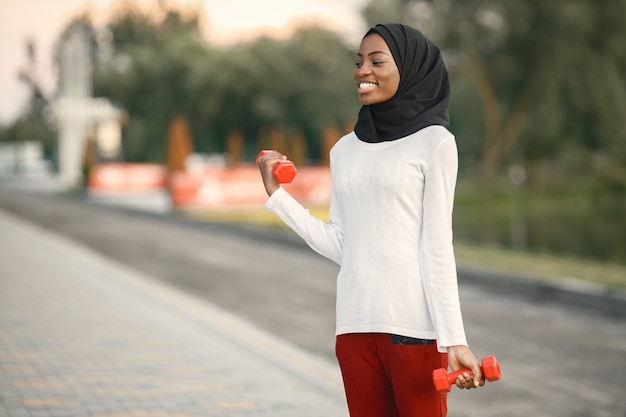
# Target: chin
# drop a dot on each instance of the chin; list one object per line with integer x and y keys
{"x": 366, "y": 101}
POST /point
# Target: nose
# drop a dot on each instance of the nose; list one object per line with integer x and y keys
{"x": 363, "y": 70}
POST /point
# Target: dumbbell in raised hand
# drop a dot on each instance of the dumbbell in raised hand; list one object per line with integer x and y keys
{"x": 443, "y": 380}
{"x": 284, "y": 171}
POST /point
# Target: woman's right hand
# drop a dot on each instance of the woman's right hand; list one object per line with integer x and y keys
{"x": 265, "y": 164}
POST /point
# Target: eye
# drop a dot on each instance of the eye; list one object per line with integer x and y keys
{"x": 358, "y": 64}
{"x": 377, "y": 62}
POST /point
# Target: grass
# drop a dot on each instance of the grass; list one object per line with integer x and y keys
{"x": 544, "y": 267}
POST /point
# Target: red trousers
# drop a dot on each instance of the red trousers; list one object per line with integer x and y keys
{"x": 390, "y": 378}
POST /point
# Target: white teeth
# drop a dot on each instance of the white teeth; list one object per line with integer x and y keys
{"x": 367, "y": 85}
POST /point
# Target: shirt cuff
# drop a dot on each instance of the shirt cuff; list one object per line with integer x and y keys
{"x": 276, "y": 196}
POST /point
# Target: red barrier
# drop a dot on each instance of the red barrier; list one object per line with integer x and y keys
{"x": 242, "y": 186}
{"x": 127, "y": 177}
{"x": 211, "y": 187}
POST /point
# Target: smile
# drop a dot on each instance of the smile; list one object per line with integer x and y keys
{"x": 367, "y": 86}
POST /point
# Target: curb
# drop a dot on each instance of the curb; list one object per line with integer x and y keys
{"x": 593, "y": 298}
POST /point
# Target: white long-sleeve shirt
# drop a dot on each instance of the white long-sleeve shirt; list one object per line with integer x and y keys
{"x": 390, "y": 231}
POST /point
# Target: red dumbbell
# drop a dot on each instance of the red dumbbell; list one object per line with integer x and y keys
{"x": 443, "y": 380}
{"x": 283, "y": 171}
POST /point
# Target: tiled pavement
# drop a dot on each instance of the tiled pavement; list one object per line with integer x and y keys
{"x": 81, "y": 335}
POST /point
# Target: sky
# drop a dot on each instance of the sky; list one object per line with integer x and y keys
{"x": 226, "y": 22}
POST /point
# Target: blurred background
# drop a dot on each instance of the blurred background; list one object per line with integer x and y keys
{"x": 161, "y": 107}
{"x": 166, "y": 104}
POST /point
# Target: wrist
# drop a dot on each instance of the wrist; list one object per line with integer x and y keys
{"x": 271, "y": 189}
{"x": 456, "y": 348}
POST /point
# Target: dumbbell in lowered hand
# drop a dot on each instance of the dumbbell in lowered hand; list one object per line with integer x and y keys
{"x": 284, "y": 171}
{"x": 443, "y": 381}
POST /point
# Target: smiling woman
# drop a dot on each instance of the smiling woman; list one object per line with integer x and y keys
{"x": 376, "y": 74}
{"x": 390, "y": 230}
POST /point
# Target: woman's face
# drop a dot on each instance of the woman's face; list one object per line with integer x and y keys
{"x": 376, "y": 73}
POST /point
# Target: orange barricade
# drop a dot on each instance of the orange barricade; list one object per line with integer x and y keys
{"x": 127, "y": 177}
{"x": 242, "y": 186}
{"x": 210, "y": 187}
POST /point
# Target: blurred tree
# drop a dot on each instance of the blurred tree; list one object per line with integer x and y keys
{"x": 298, "y": 150}
{"x": 302, "y": 82}
{"x": 331, "y": 135}
{"x": 324, "y": 94}
{"x": 156, "y": 69}
{"x": 145, "y": 70}
{"x": 548, "y": 77}
{"x": 179, "y": 145}
{"x": 33, "y": 123}
{"x": 234, "y": 148}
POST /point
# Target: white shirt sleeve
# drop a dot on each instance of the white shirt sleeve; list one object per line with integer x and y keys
{"x": 437, "y": 261}
{"x": 324, "y": 238}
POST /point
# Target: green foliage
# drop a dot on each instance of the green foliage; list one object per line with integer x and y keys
{"x": 145, "y": 73}
{"x": 159, "y": 70}
{"x": 536, "y": 85}
{"x": 33, "y": 123}
{"x": 29, "y": 127}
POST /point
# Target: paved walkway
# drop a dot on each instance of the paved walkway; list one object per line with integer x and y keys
{"x": 81, "y": 335}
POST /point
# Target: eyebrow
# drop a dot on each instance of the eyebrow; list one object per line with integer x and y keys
{"x": 373, "y": 53}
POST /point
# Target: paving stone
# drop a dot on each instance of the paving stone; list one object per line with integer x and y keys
{"x": 84, "y": 336}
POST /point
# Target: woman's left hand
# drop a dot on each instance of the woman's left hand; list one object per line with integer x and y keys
{"x": 461, "y": 357}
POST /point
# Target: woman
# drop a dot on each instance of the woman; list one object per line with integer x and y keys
{"x": 390, "y": 231}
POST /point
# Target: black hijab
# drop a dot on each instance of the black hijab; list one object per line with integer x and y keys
{"x": 423, "y": 93}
